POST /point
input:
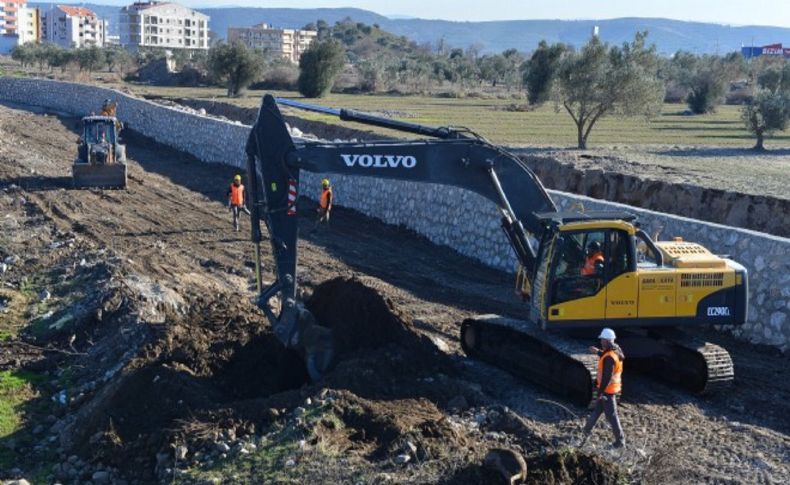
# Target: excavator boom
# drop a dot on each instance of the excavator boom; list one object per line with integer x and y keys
{"x": 450, "y": 157}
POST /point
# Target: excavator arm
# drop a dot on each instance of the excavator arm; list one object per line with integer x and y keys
{"x": 447, "y": 157}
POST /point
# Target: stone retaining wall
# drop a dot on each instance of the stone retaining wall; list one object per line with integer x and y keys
{"x": 461, "y": 220}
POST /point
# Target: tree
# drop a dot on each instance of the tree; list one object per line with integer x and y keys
{"x": 541, "y": 70}
{"x": 90, "y": 58}
{"x": 707, "y": 84}
{"x": 769, "y": 110}
{"x": 600, "y": 80}
{"x": 25, "y": 54}
{"x": 235, "y": 65}
{"x": 319, "y": 66}
{"x": 116, "y": 57}
{"x": 62, "y": 58}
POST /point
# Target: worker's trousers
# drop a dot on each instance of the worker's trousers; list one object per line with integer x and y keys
{"x": 606, "y": 404}
{"x": 237, "y": 209}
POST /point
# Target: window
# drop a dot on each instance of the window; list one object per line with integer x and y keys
{"x": 619, "y": 253}
{"x": 578, "y": 267}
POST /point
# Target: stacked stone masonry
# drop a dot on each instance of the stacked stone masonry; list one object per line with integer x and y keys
{"x": 448, "y": 216}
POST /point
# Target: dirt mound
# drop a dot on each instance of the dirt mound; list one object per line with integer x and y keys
{"x": 567, "y": 466}
{"x": 360, "y": 315}
{"x": 220, "y": 352}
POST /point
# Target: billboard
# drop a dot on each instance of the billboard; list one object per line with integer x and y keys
{"x": 766, "y": 50}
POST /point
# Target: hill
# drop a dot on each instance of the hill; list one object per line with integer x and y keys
{"x": 669, "y": 35}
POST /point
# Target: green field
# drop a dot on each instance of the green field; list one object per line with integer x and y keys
{"x": 543, "y": 127}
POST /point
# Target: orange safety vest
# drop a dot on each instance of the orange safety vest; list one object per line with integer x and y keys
{"x": 616, "y": 382}
{"x": 589, "y": 265}
{"x": 325, "y": 196}
{"x": 237, "y": 194}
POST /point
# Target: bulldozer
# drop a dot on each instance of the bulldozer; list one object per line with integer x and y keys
{"x": 652, "y": 292}
{"x": 101, "y": 159}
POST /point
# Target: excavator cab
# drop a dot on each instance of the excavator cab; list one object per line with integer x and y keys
{"x": 101, "y": 158}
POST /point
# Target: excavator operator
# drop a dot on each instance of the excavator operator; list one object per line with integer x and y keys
{"x": 593, "y": 263}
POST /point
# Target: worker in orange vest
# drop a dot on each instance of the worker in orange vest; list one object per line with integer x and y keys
{"x": 237, "y": 200}
{"x": 608, "y": 384}
{"x": 324, "y": 204}
{"x": 594, "y": 261}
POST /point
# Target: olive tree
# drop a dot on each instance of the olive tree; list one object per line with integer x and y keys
{"x": 600, "y": 80}
{"x": 540, "y": 70}
{"x": 235, "y": 65}
{"x": 319, "y": 66}
{"x": 769, "y": 110}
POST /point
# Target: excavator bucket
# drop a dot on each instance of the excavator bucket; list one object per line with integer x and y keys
{"x": 86, "y": 175}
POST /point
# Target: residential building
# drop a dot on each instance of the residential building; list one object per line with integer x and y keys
{"x": 9, "y": 16}
{"x": 289, "y": 44}
{"x": 163, "y": 24}
{"x": 68, "y": 26}
{"x": 29, "y": 25}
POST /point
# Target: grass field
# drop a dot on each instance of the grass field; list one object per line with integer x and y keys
{"x": 544, "y": 126}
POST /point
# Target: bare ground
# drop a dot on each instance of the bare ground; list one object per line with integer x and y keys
{"x": 173, "y": 258}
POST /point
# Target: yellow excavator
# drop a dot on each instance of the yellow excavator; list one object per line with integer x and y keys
{"x": 578, "y": 271}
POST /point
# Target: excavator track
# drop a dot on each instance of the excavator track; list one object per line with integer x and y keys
{"x": 681, "y": 359}
{"x": 564, "y": 365}
{"x": 560, "y": 364}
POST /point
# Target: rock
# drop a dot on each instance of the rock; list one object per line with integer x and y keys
{"x": 181, "y": 452}
{"x": 3, "y": 268}
{"x": 308, "y": 402}
{"x": 759, "y": 263}
{"x": 299, "y": 411}
{"x": 21, "y": 481}
{"x": 44, "y": 295}
{"x": 402, "y": 459}
{"x": 11, "y": 260}
{"x": 100, "y": 476}
{"x": 222, "y": 447}
{"x": 508, "y": 463}
{"x": 290, "y": 462}
{"x": 458, "y": 403}
{"x": 411, "y": 448}
{"x": 778, "y": 319}
{"x": 441, "y": 344}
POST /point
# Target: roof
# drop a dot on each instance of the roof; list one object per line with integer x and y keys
{"x": 109, "y": 119}
{"x": 140, "y": 6}
{"x": 566, "y": 217}
{"x": 76, "y": 11}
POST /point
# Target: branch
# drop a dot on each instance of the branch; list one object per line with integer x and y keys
{"x": 595, "y": 117}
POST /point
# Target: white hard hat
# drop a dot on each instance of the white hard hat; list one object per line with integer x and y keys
{"x": 607, "y": 334}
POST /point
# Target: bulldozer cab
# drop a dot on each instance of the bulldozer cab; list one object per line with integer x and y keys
{"x": 98, "y": 129}
{"x": 100, "y": 156}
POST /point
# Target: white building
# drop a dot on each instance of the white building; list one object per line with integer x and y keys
{"x": 29, "y": 25}
{"x": 289, "y": 44}
{"x": 163, "y": 24}
{"x": 68, "y": 26}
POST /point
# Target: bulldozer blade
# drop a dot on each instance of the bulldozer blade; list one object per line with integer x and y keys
{"x": 111, "y": 176}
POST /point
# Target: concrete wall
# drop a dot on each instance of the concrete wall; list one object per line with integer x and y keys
{"x": 461, "y": 220}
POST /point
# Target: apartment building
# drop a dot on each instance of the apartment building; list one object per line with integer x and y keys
{"x": 68, "y": 26}
{"x": 289, "y": 44}
{"x": 9, "y": 16}
{"x": 29, "y": 25}
{"x": 163, "y": 24}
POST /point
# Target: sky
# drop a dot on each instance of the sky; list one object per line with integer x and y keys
{"x": 742, "y": 12}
